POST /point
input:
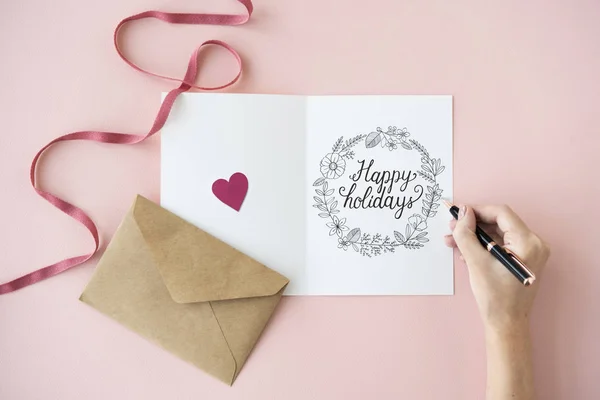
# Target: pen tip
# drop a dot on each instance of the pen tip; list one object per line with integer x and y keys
{"x": 447, "y": 203}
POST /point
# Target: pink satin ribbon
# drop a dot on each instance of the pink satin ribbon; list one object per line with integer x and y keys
{"x": 187, "y": 83}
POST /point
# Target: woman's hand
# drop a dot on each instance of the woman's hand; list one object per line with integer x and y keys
{"x": 502, "y": 299}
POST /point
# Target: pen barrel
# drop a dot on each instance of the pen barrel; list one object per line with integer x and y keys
{"x": 508, "y": 262}
{"x": 483, "y": 237}
{"x": 454, "y": 211}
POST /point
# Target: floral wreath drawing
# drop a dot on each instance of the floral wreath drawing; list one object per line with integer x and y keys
{"x": 333, "y": 166}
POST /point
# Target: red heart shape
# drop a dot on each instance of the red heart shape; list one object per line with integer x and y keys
{"x": 233, "y": 192}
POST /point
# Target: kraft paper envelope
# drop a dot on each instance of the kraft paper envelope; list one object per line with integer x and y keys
{"x": 185, "y": 290}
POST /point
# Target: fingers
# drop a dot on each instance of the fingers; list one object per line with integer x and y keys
{"x": 449, "y": 241}
{"x": 503, "y": 216}
{"x": 465, "y": 239}
{"x": 452, "y": 224}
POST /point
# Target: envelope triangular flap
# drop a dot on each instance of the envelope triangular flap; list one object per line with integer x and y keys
{"x": 196, "y": 266}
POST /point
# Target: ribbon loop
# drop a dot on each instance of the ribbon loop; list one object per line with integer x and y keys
{"x": 187, "y": 83}
{"x": 191, "y": 19}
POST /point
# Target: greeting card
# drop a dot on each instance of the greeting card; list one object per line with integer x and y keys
{"x": 341, "y": 194}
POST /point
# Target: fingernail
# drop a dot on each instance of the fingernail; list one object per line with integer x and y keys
{"x": 462, "y": 211}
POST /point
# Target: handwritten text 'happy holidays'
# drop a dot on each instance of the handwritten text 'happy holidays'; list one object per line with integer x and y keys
{"x": 384, "y": 182}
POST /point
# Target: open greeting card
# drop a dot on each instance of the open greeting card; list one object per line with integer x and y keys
{"x": 343, "y": 192}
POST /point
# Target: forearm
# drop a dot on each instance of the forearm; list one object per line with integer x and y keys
{"x": 509, "y": 366}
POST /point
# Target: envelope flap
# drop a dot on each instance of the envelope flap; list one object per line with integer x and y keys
{"x": 196, "y": 266}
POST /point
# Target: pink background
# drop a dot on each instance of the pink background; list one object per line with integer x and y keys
{"x": 527, "y": 99}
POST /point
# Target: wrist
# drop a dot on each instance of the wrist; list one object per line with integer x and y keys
{"x": 515, "y": 328}
{"x": 509, "y": 369}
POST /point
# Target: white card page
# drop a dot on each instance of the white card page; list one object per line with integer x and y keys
{"x": 360, "y": 215}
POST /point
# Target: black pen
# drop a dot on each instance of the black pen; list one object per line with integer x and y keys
{"x": 509, "y": 259}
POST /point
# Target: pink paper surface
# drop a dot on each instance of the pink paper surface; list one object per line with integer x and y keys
{"x": 524, "y": 76}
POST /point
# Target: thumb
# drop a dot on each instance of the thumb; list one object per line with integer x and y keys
{"x": 464, "y": 236}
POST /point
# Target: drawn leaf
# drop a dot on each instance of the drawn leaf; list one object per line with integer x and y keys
{"x": 354, "y": 235}
{"x": 329, "y": 192}
{"x": 334, "y": 205}
{"x": 440, "y": 170}
{"x": 413, "y": 245}
{"x": 338, "y": 144}
{"x": 323, "y": 215}
{"x": 427, "y": 168}
{"x": 320, "y": 192}
{"x": 419, "y": 148}
{"x": 352, "y": 142}
{"x": 335, "y": 211}
{"x": 426, "y": 176}
{"x": 318, "y": 199}
{"x": 425, "y": 212}
{"x": 349, "y": 155}
{"x": 434, "y": 206}
{"x": 373, "y": 139}
{"x": 399, "y": 237}
{"x": 322, "y": 208}
{"x": 325, "y": 186}
{"x": 405, "y": 145}
{"x": 407, "y": 231}
{"x": 432, "y": 213}
{"x": 355, "y": 247}
{"x": 428, "y": 196}
{"x": 421, "y": 235}
{"x": 319, "y": 182}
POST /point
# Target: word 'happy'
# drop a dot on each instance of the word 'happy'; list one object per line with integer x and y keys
{"x": 384, "y": 181}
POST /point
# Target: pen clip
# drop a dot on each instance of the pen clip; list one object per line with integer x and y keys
{"x": 531, "y": 279}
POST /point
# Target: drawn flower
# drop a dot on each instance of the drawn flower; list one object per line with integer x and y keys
{"x": 338, "y": 226}
{"x": 333, "y": 166}
{"x": 343, "y": 243}
{"x": 417, "y": 222}
{"x": 392, "y": 146}
{"x": 402, "y": 133}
